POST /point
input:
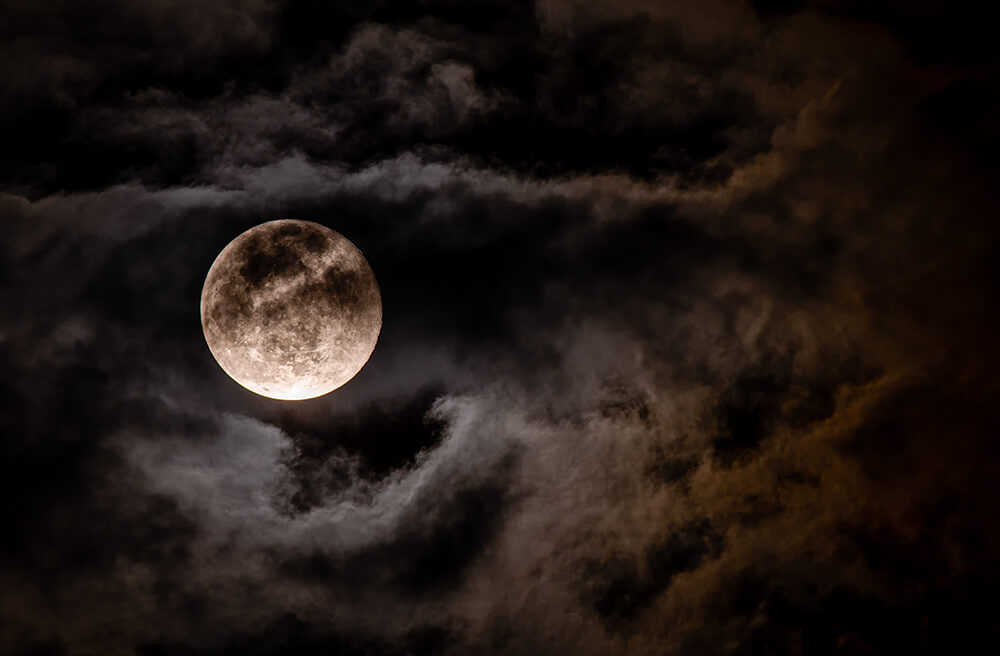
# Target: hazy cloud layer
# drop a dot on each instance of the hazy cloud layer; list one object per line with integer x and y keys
{"x": 688, "y": 345}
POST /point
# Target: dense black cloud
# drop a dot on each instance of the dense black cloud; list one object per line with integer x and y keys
{"x": 689, "y": 333}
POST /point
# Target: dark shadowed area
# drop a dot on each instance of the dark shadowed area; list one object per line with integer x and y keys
{"x": 689, "y": 328}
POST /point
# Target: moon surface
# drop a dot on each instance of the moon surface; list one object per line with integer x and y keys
{"x": 291, "y": 310}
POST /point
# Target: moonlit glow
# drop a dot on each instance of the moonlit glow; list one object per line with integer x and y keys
{"x": 291, "y": 310}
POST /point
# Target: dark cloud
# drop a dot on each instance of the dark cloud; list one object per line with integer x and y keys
{"x": 688, "y": 347}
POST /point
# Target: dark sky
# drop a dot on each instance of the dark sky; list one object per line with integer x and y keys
{"x": 689, "y": 344}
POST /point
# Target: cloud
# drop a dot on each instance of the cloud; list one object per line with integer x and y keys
{"x": 687, "y": 346}
{"x": 47, "y": 61}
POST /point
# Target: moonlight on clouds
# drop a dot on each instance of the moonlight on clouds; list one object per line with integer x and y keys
{"x": 291, "y": 310}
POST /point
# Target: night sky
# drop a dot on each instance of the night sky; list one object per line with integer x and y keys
{"x": 689, "y": 346}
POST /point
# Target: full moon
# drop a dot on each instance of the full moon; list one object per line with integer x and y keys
{"x": 291, "y": 310}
